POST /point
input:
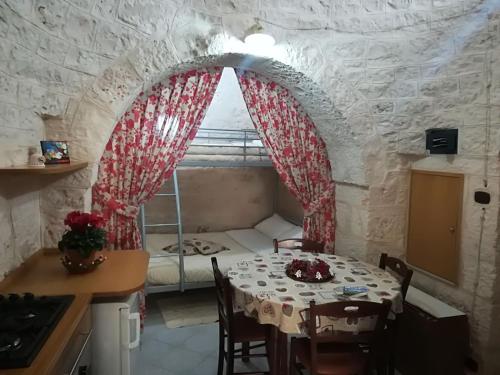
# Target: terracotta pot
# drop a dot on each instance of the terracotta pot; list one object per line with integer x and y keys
{"x": 76, "y": 263}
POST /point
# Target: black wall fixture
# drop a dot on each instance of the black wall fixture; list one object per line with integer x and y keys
{"x": 482, "y": 197}
{"x": 441, "y": 141}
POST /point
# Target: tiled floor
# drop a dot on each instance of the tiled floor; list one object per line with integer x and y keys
{"x": 180, "y": 351}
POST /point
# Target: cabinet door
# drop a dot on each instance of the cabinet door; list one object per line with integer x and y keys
{"x": 434, "y": 223}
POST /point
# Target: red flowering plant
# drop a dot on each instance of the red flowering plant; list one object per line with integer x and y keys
{"x": 317, "y": 270}
{"x": 86, "y": 233}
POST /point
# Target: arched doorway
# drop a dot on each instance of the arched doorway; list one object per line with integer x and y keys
{"x": 152, "y": 137}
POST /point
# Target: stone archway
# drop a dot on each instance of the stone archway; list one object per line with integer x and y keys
{"x": 91, "y": 118}
{"x": 102, "y": 106}
{"x": 328, "y": 98}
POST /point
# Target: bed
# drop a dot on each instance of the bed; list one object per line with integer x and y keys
{"x": 164, "y": 270}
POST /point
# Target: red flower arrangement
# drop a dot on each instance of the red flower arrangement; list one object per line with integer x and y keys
{"x": 305, "y": 270}
{"x": 86, "y": 234}
{"x": 80, "y": 221}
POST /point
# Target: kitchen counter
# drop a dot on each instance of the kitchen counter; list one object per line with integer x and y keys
{"x": 123, "y": 273}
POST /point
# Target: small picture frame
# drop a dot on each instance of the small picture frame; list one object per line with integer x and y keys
{"x": 55, "y": 152}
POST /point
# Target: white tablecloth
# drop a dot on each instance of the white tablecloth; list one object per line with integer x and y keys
{"x": 265, "y": 292}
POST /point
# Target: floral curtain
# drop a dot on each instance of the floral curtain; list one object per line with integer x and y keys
{"x": 145, "y": 147}
{"x": 296, "y": 150}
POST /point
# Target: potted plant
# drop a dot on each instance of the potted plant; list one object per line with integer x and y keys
{"x": 80, "y": 243}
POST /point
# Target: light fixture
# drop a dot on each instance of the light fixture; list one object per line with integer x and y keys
{"x": 260, "y": 40}
{"x": 256, "y": 39}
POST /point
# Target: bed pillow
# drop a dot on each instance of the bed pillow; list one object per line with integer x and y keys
{"x": 296, "y": 232}
{"x": 274, "y": 226}
{"x": 206, "y": 247}
{"x": 253, "y": 240}
{"x": 196, "y": 246}
{"x": 189, "y": 248}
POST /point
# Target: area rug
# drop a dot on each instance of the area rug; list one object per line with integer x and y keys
{"x": 189, "y": 309}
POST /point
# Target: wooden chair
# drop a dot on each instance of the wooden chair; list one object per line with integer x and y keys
{"x": 404, "y": 274}
{"x": 337, "y": 352}
{"x": 298, "y": 244}
{"x": 235, "y": 328}
{"x": 398, "y": 267}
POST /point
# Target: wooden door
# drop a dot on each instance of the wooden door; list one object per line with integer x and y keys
{"x": 434, "y": 222}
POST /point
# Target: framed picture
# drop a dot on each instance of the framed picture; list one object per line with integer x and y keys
{"x": 55, "y": 152}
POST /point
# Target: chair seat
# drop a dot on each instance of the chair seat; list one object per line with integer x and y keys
{"x": 248, "y": 329}
{"x": 333, "y": 359}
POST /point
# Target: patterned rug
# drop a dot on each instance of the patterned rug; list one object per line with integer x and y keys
{"x": 189, "y": 309}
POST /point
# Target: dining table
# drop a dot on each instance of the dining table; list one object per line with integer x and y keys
{"x": 264, "y": 291}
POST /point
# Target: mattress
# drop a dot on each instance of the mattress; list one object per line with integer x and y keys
{"x": 197, "y": 268}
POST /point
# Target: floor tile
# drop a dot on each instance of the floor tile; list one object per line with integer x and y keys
{"x": 153, "y": 352}
{"x": 181, "y": 361}
{"x": 147, "y": 369}
{"x": 182, "y": 351}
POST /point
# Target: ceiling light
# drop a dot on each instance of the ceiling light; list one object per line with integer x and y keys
{"x": 260, "y": 40}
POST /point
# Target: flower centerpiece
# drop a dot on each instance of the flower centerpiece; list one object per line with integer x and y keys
{"x": 309, "y": 271}
{"x": 84, "y": 238}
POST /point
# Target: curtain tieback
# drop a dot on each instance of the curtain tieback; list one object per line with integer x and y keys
{"x": 119, "y": 207}
{"x": 319, "y": 203}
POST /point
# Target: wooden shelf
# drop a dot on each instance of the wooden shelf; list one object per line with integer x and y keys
{"x": 48, "y": 169}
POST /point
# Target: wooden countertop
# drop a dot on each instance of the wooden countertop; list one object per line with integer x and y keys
{"x": 123, "y": 273}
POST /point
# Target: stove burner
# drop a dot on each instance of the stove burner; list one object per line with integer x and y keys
{"x": 25, "y": 324}
{"x": 9, "y": 342}
{"x": 27, "y": 315}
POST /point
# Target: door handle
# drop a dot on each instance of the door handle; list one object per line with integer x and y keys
{"x": 452, "y": 229}
{"x": 136, "y": 318}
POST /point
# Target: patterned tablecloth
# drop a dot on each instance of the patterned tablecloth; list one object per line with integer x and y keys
{"x": 265, "y": 292}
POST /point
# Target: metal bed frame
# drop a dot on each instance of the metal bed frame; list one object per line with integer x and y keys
{"x": 235, "y": 145}
{"x": 251, "y": 155}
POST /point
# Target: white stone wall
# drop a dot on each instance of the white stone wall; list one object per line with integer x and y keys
{"x": 373, "y": 74}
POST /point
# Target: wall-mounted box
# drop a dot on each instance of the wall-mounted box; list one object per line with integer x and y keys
{"x": 441, "y": 141}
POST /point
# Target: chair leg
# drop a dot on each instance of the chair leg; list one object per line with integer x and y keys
{"x": 380, "y": 361}
{"x": 245, "y": 351}
{"x": 391, "y": 370}
{"x": 220, "y": 363}
{"x": 291, "y": 367}
{"x": 381, "y": 368}
{"x": 391, "y": 355}
{"x": 230, "y": 357}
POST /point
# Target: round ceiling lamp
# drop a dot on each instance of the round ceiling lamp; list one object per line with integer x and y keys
{"x": 259, "y": 40}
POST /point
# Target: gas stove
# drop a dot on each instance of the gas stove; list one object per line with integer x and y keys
{"x": 26, "y": 322}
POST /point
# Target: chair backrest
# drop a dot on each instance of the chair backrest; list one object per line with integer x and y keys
{"x": 351, "y": 311}
{"x": 224, "y": 298}
{"x": 299, "y": 244}
{"x": 399, "y": 268}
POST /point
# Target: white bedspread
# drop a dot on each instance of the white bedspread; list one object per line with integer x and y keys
{"x": 165, "y": 270}
{"x": 253, "y": 240}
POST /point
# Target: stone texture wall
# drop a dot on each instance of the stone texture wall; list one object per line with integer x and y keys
{"x": 216, "y": 199}
{"x": 373, "y": 74}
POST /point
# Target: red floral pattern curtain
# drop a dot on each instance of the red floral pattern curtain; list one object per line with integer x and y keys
{"x": 145, "y": 147}
{"x": 296, "y": 150}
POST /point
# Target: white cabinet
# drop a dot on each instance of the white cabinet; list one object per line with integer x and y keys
{"x": 116, "y": 339}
